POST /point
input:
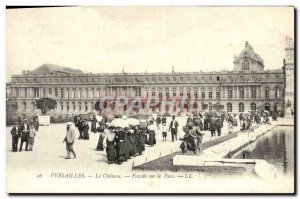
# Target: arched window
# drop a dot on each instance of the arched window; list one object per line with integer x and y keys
{"x": 241, "y": 107}
{"x": 253, "y": 106}
{"x": 61, "y": 106}
{"x": 74, "y": 107}
{"x": 210, "y": 107}
{"x": 245, "y": 65}
{"x": 24, "y": 106}
{"x": 79, "y": 106}
{"x": 68, "y": 107}
{"x": 229, "y": 107}
{"x": 267, "y": 106}
{"x": 86, "y": 107}
{"x": 32, "y": 106}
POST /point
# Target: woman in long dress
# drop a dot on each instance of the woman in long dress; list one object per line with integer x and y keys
{"x": 100, "y": 145}
{"x": 139, "y": 139}
{"x": 151, "y": 133}
{"x": 121, "y": 145}
{"x": 94, "y": 124}
{"x": 109, "y": 140}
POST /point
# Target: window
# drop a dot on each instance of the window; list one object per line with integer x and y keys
{"x": 44, "y": 92}
{"x": 188, "y": 93}
{"x": 174, "y": 92}
{"x": 229, "y": 107}
{"x": 203, "y": 95}
{"x": 218, "y": 94}
{"x": 61, "y": 106}
{"x": 188, "y": 79}
{"x": 277, "y": 93}
{"x": 253, "y": 78}
{"x": 160, "y": 79}
{"x": 93, "y": 79}
{"x": 253, "y": 93}
{"x": 267, "y": 93}
{"x": 181, "y": 93}
{"x": 196, "y": 94}
{"x": 241, "y": 78}
{"x": 167, "y": 93}
{"x": 62, "y": 93}
{"x": 210, "y": 94}
{"x": 229, "y": 94}
{"x": 50, "y": 91}
{"x": 74, "y": 107}
{"x": 153, "y": 79}
{"x": 230, "y": 78}
{"x": 277, "y": 77}
{"x": 56, "y": 92}
{"x": 196, "y": 78}
{"x": 242, "y": 93}
{"x": 203, "y": 78}
{"x": 210, "y": 107}
{"x": 174, "y": 79}
{"x": 160, "y": 94}
{"x": 218, "y": 78}
{"x": 181, "y": 79}
{"x": 253, "y": 106}
{"x": 153, "y": 92}
{"x": 245, "y": 65}
{"x": 167, "y": 79}
{"x": 210, "y": 78}
{"x": 241, "y": 107}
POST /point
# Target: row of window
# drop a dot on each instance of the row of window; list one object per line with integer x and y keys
{"x": 147, "y": 79}
{"x": 69, "y": 106}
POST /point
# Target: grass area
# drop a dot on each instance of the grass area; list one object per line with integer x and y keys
{"x": 166, "y": 163}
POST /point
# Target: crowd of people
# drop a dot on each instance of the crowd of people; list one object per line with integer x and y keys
{"x": 122, "y": 143}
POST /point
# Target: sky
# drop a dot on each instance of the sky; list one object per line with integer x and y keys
{"x": 152, "y": 39}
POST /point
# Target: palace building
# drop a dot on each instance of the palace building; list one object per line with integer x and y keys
{"x": 247, "y": 87}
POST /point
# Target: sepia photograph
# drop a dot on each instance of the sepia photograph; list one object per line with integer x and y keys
{"x": 150, "y": 100}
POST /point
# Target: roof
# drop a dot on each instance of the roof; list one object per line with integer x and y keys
{"x": 248, "y": 52}
{"x": 54, "y": 69}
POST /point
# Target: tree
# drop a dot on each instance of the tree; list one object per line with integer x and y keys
{"x": 45, "y": 104}
{"x": 218, "y": 106}
{"x": 204, "y": 106}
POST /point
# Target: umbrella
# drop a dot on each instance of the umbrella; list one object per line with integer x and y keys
{"x": 133, "y": 121}
{"x": 99, "y": 118}
{"x": 143, "y": 123}
{"x": 141, "y": 117}
{"x": 85, "y": 116}
{"x": 120, "y": 123}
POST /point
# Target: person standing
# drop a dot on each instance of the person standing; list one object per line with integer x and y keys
{"x": 173, "y": 127}
{"x": 69, "y": 139}
{"x": 158, "y": 121}
{"x": 219, "y": 125}
{"x": 25, "y": 129}
{"x": 94, "y": 124}
{"x": 164, "y": 132}
{"x": 85, "y": 129}
{"x": 16, "y": 133}
{"x": 31, "y": 136}
{"x": 36, "y": 123}
{"x": 80, "y": 126}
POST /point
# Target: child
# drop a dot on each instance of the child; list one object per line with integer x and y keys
{"x": 164, "y": 132}
{"x": 31, "y": 136}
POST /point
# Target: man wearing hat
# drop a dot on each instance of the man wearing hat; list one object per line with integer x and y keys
{"x": 25, "y": 129}
{"x": 69, "y": 139}
{"x": 16, "y": 133}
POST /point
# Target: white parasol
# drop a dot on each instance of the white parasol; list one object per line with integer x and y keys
{"x": 120, "y": 123}
{"x": 133, "y": 121}
{"x": 99, "y": 118}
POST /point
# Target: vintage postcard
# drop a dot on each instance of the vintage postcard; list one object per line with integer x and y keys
{"x": 150, "y": 100}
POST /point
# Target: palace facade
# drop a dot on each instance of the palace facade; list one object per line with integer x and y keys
{"x": 247, "y": 87}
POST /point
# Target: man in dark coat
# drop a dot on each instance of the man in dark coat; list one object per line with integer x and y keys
{"x": 16, "y": 133}
{"x": 85, "y": 129}
{"x": 212, "y": 127}
{"x": 80, "y": 126}
{"x": 219, "y": 125}
{"x": 174, "y": 128}
{"x": 25, "y": 129}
